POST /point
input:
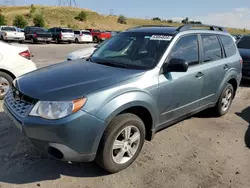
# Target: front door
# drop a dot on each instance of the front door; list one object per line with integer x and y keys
{"x": 180, "y": 92}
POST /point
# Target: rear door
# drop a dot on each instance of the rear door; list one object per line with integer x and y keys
{"x": 215, "y": 67}
{"x": 180, "y": 92}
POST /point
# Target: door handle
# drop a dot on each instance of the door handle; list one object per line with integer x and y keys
{"x": 199, "y": 75}
{"x": 226, "y": 67}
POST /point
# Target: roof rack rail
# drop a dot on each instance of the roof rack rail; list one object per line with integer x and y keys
{"x": 190, "y": 26}
{"x": 140, "y": 26}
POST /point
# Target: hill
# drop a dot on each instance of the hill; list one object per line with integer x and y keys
{"x": 65, "y": 16}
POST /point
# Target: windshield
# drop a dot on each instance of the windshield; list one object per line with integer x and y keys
{"x": 244, "y": 43}
{"x": 8, "y": 29}
{"x": 142, "y": 50}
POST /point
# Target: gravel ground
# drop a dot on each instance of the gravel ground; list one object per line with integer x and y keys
{"x": 200, "y": 152}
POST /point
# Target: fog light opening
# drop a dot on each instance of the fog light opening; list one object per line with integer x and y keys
{"x": 55, "y": 153}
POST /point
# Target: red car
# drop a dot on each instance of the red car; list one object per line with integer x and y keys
{"x": 99, "y": 35}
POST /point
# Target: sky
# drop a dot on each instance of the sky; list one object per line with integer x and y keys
{"x": 229, "y": 13}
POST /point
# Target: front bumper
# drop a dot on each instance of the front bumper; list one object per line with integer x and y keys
{"x": 76, "y": 137}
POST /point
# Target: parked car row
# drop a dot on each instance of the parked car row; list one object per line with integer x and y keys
{"x": 57, "y": 34}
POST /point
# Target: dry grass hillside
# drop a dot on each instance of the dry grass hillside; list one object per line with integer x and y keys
{"x": 65, "y": 16}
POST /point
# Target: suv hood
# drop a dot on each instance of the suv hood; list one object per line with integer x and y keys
{"x": 69, "y": 81}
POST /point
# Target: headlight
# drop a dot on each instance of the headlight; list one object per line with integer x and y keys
{"x": 57, "y": 109}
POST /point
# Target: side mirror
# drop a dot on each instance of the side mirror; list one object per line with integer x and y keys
{"x": 175, "y": 65}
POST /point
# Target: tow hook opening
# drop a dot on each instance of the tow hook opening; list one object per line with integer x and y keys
{"x": 55, "y": 153}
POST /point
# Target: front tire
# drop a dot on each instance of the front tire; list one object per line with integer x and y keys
{"x": 224, "y": 103}
{"x": 121, "y": 143}
{"x": 5, "y": 84}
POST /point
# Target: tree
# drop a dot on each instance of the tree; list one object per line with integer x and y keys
{"x": 39, "y": 20}
{"x": 244, "y": 30}
{"x": 122, "y": 19}
{"x": 82, "y": 16}
{"x": 2, "y": 20}
{"x": 20, "y": 21}
{"x": 170, "y": 21}
{"x": 185, "y": 21}
{"x": 32, "y": 10}
{"x": 156, "y": 19}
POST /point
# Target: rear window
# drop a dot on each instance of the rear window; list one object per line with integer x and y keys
{"x": 37, "y": 29}
{"x": 8, "y": 29}
{"x": 67, "y": 30}
{"x": 77, "y": 32}
{"x": 211, "y": 48}
{"x": 229, "y": 45}
{"x": 244, "y": 43}
{"x": 86, "y": 32}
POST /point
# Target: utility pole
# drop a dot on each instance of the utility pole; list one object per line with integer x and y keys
{"x": 66, "y": 2}
{"x": 9, "y": 2}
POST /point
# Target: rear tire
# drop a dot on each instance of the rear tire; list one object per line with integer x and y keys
{"x": 224, "y": 103}
{"x": 77, "y": 41}
{"x": 48, "y": 42}
{"x": 128, "y": 146}
{"x": 70, "y": 42}
{"x": 21, "y": 41}
{"x": 32, "y": 41}
{"x": 6, "y": 80}
{"x": 96, "y": 40}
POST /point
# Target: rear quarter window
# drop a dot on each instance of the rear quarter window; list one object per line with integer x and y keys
{"x": 244, "y": 43}
{"x": 77, "y": 32}
{"x": 229, "y": 45}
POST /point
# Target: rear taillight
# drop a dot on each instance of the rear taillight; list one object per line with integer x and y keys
{"x": 241, "y": 61}
{"x": 26, "y": 54}
{"x": 81, "y": 35}
{"x": 35, "y": 35}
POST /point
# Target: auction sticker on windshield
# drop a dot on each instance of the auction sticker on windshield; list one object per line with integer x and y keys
{"x": 161, "y": 37}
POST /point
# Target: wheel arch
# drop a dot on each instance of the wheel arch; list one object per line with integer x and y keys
{"x": 8, "y": 72}
{"x": 138, "y": 103}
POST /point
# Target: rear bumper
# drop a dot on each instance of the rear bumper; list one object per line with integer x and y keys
{"x": 67, "y": 39}
{"x": 85, "y": 39}
{"x": 29, "y": 67}
{"x": 43, "y": 39}
{"x": 14, "y": 38}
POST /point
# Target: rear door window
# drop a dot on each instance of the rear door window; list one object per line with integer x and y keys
{"x": 229, "y": 45}
{"x": 211, "y": 48}
{"x": 187, "y": 49}
{"x": 244, "y": 43}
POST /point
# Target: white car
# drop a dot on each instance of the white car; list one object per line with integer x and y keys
{"x": 10, "y": 33}
{"x": 84, "y": 53}
{"x": 83, "y": 36}
{"x": 15, "y": 60}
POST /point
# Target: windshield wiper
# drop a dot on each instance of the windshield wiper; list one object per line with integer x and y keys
{"x": 112, "y": 64}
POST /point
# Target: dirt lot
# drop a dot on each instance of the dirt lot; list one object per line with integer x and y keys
{"x": 200, "y": 152}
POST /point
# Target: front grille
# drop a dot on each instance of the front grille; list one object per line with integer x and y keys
{"x": 20, "y": 108}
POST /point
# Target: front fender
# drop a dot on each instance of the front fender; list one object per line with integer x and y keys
{"x": 128, "y": 100}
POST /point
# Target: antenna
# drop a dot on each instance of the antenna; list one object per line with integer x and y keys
{"x": 9, "y": 2}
